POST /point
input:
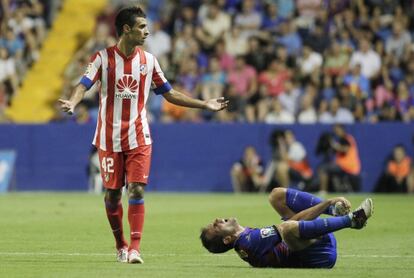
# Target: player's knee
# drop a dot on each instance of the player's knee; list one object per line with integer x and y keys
{"x": 136, "y": 191}
{"x": 112, "y": 195}
{"x": 277, "y": 196}
{"x": 289, "y": 229}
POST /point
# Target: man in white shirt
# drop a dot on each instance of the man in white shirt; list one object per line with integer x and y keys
{"x": 336, "y": 114}
{"x": 369, "y": 60}
{"x": 310, "y": 60}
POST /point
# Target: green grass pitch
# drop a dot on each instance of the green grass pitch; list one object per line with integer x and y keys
{"x": 67, "y": 235}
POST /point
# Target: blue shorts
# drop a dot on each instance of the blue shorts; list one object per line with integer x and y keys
{"x": 321, "y": 254}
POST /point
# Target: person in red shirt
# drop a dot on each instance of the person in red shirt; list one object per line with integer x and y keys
{"x": 126, "y": 74}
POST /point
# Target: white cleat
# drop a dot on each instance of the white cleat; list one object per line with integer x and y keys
{"x": 134, "y": 257}
{"x": 362, "y": 213}
{"x": 122, "y": 255}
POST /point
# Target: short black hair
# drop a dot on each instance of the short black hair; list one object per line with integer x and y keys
{"x": 127, "y": 16}
{"x": 214, "y": 244}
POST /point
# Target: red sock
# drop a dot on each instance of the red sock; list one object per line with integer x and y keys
{"x": 114, "y": 212}
{"x": 136, "y": 214}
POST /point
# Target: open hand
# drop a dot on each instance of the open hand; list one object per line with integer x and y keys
{"x": 217, "y": 104}
{"x": 67, "y": 106}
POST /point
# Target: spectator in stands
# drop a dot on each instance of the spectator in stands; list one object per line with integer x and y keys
{"x": 286, "y": 8}
{"x": 307, "y": 113}
{"x": 278, "y": 114}
{"x": 213, "y": 27}
{"x": 244, "y": 79}
{"x": 275, "y": 77}
{"x": 236, "y": 43}
{"x": 257, "y": 56}
{"x": 318, "y": 39}
{"x": 358, "y": 84}
{"x": 328, "y": 91}
{"x": 8, "y": 72}
{"x": 289, "y": 38}
{"x": 365, "y": 77}
{"x": 341, "y": 173}
{"x": 289, "y": 98}
{"x": 107, "y": 17}
{"x": 182, "y": 42}
{"x": 227, "y": 62}
{"x": 13, "y": 44}
{"x": 271, "y": 18}
{"x": 247, "y": 174}
{"x": 399, "y": 40}
{"x": 159, "y": 43}
{"x": 336, "y": 60}
{"x": 308, "y": 10}
{"x": 347, "y": 100}
{"x": 336, "y": 114}
{"x": 311, "y": 61}
{"x": 394, "y": 178}
{"x": 368, "y": 59}
{"x": 213, "y": 81}
{"x": 189, "y": 77}
{"x": 404, "y": 103}
{"x": 186, "y": 16}
{"x": 100, "y": 40}
{"x": 248, "y": 20}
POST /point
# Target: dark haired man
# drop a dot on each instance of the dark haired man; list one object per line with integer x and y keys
{"x": 303, "y": 241}
{"x": 122, "y": 136}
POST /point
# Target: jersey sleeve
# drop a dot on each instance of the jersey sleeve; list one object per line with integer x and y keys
{"x": 93, "y": 71}
{"x": 160, "y": 84}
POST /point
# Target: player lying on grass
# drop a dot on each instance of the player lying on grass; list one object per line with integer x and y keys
{"x": 303, "y": 240}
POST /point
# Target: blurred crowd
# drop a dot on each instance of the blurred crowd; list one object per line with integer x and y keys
{"x": 338, "y": 169}
{"x": 278, "y": 61}
{"x": 23, "y": 27}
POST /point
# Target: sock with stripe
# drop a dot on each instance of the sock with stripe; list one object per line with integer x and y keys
{"x": 136, "y": 214}
{"x": 323, "y": 226}
{"x": 114, "y": 213}
{"x": 298, "y": 200}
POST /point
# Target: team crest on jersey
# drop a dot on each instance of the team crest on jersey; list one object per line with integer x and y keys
{"x": 127, "y": 87}
{"x": 88, "y": 69}
{"x": 106, "y": 177}
{"x": 143, "y": 69}
{"x": 267, "y": 232}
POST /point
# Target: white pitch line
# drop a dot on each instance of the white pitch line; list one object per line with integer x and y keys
{"x": 179, "y": 255}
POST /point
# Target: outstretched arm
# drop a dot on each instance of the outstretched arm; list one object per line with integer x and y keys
{"x": 181, "y": 99}
{"x": 77, "y": 95}
{"x": 313, "y": 212}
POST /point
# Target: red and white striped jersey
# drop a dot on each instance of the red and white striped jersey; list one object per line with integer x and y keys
{"x": 125, "y": 85}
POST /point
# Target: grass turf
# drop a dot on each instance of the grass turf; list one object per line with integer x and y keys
{"x": 67, "y": 235}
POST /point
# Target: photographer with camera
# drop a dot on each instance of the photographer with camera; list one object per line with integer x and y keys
{"x": 341, "y": 166}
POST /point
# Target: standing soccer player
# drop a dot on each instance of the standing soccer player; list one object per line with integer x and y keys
{"x": 122, "y": 135}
